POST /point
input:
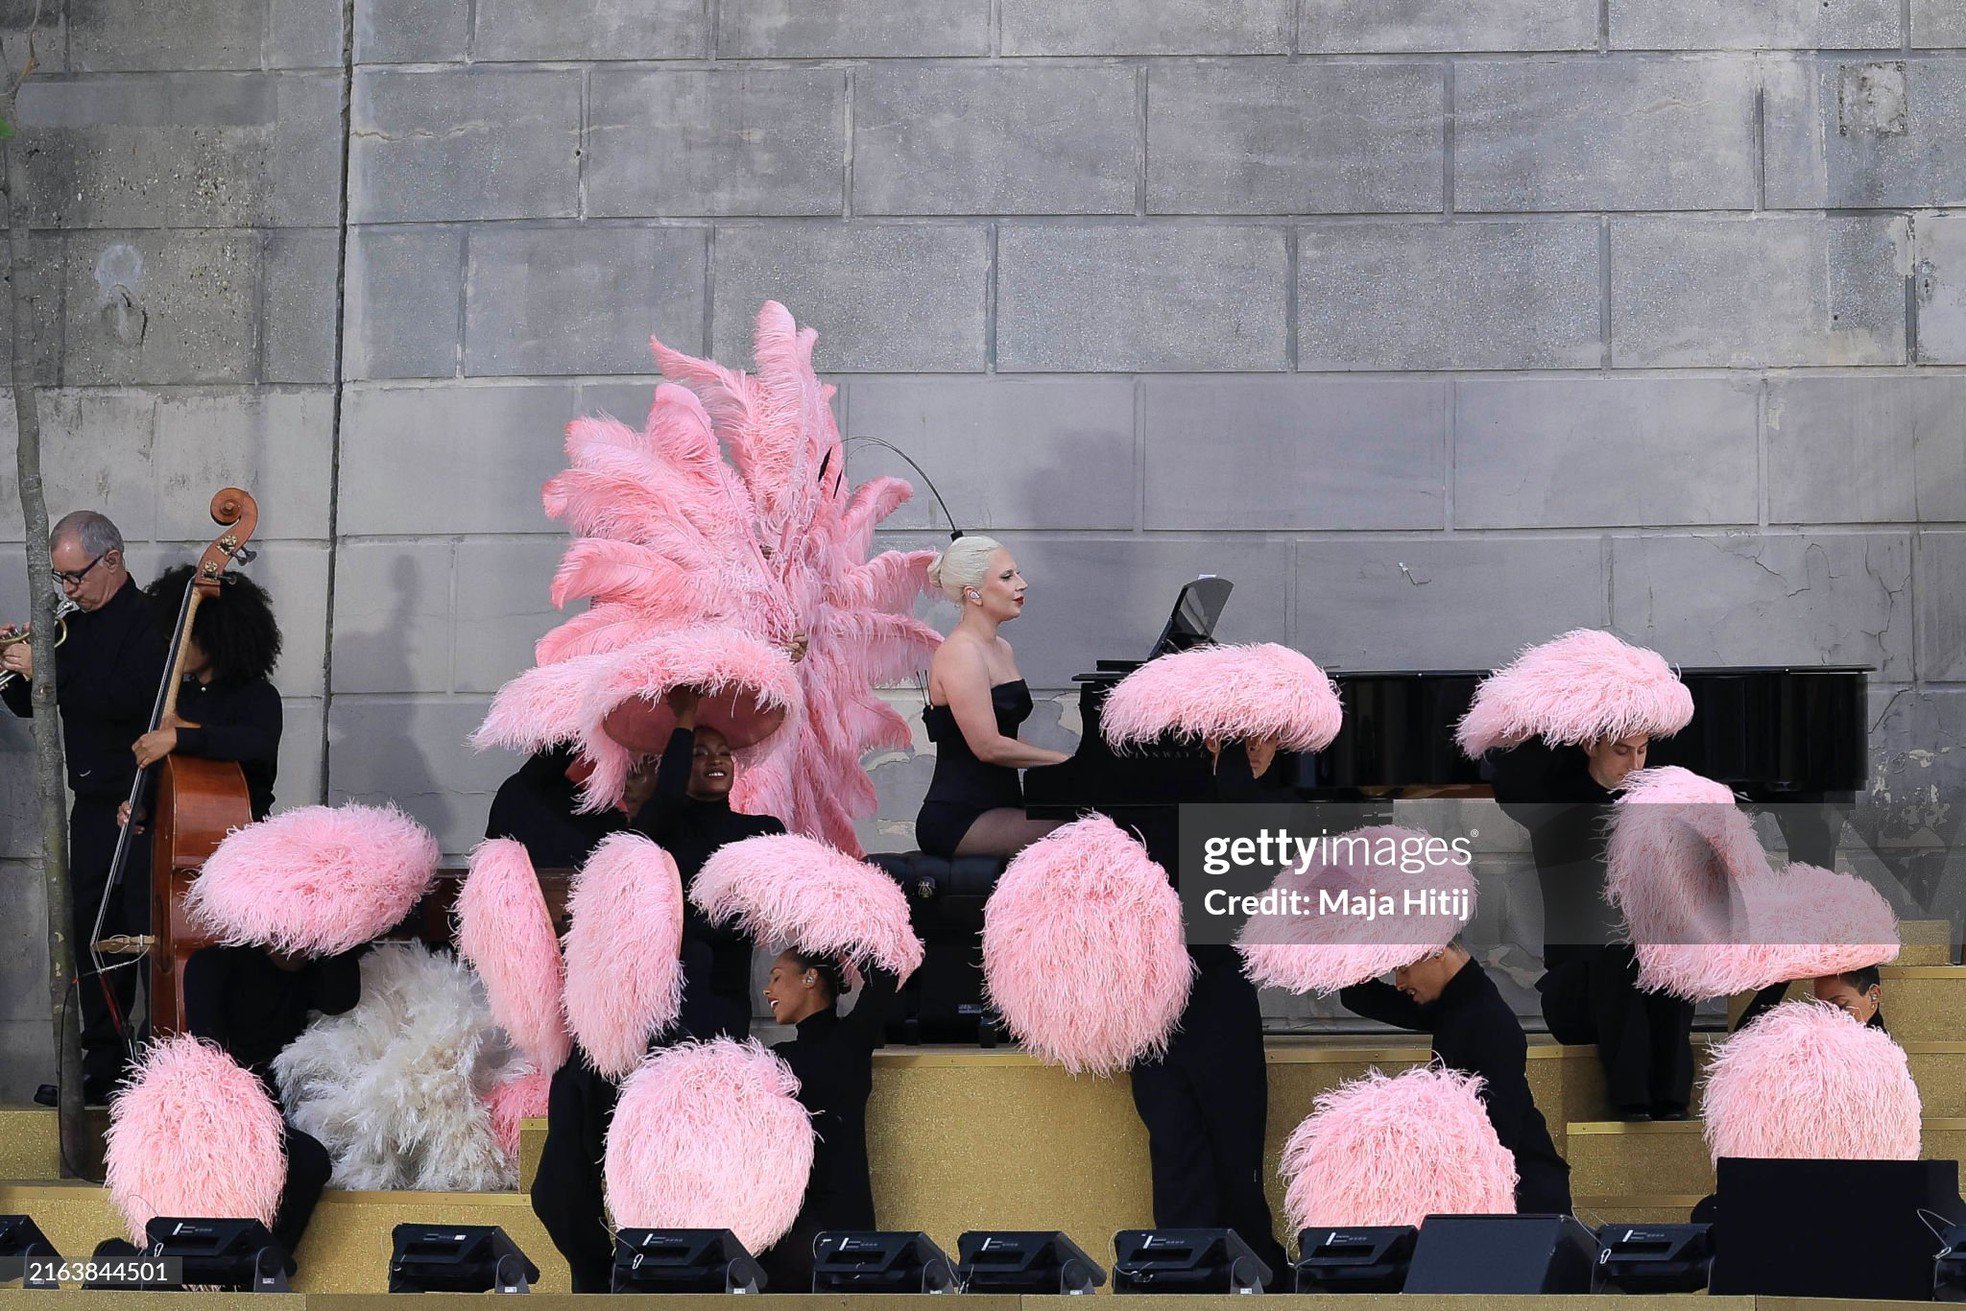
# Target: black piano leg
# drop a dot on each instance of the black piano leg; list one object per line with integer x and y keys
{"x": 1810, "y": 825}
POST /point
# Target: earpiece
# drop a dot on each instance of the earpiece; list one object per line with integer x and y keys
{"x": 974, "y": 595}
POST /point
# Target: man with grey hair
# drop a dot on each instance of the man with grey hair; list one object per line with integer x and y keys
{"x": 107, "y": 673}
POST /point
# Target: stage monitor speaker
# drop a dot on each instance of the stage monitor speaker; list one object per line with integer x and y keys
{"x": 239, "y": 1255}
{"x": 683, "y": 1261}
{"x": 1949, "y": 1267}
{"x": 1366, "y": 1259}
{"x": 22, "y": 1244}
{"x": 1654, "y": 1258}
{"x": 879, "y": 1261}
{"x": 1502, "y": 1254}
{"x": 458, "y": 1259}
{"x": 1186, "y": 1261}
{"x": 1024, "y": 1261}
{"x": 1829, "y": 1228}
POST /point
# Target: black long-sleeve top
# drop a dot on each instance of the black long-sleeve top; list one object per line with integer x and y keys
{"x": 106, "y": 679}
{"x": 691, "y": 830}
{"x": 240, "y": 999}
{"x": 833, "y": 1056}
{"x": 1474, "y": 1031}
{"x": 1550, "y": 792}
{"x": 239, "y": 721}
{"x": 539, "y": 807}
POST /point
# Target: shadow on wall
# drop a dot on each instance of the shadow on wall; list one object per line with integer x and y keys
{"x": 375, "y": 741}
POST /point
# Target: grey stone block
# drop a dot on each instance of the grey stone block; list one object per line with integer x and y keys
{"x": 801, "y": 29}
{"x": 1268, "y": 138}
{"x": 1939, "y": 287}
{"x": 1937, "y": 23}
{"x": 296, "y": 575}
{"x": 392, "y": 616}
{"x": 580, "y": 300}
{"x": 994, "y": 139}
{"x": 97, "y": 453}
{"x": 1150, "y": 27}
{"x": 162, "y": 306}
{"x": 489, "y": 448}
{"x": 912, "y": 300}
{"x": 297, "y": 305}
{"x": 1843, "y": 133}
{"x": 1853, "y": 448}
{"x": 1487, "y": 295}
{"x": 729, "y": 141}
{"x": 303, "y": 34}
{"x": 1399, "y": 25}
{"x": 277, "y": 444}
{"x": 411, "y": 750}
{"x": 1753, "y": 24}
{"x": 189, "y": 34}
{"x": 29, "y": 1058}
{"x": 1942, "y": 612}
{"x": 445, "y": 146}
{"x": 149, "y": 150}
{"x": 1441, "y": 602}
{"x": 1139, "y": 297}
{"x": 1767, "y": 291}
{"x": 403, "y": 312}
{"x": 42, "y": 305}
{"x": 299, "y": 782}
{"x": 1007, "y": 453}
{"x": 591, "y": 29}
{"x": 1590, "y": 133}
{"x": 502, "y": 607}
{"x": 1768, "y": 599}
{"x": 1589, "y": 452}
{"x": 1285, "y": 453}
{"x": 411, "y": 31}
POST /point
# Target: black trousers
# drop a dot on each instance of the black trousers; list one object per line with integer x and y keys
{"x": 1205, "y": 1105}
{"x": 1644, "y": 1039}
{"x": 308, "y": 1170}
{"x": 568, "y": 1191}
{"x": 92, "y": 834}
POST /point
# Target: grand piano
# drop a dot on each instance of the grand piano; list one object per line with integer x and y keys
{"x": 1780, "y": 733}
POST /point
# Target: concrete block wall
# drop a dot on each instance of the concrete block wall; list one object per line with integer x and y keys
{"x": 1440, "y": 327}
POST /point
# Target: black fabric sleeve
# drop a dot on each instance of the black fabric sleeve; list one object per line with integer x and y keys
{"x": 254, "y": 735}
{"x": 1505, "y": 1083}
{"x": 129, "y": 691}
{"x": 1381, "y": 1001}
{"x": 19, "y": 696}
{"x": 334, "y": 983}
{"x": 866, "y": 1023}
{"x": 671, "y": 796}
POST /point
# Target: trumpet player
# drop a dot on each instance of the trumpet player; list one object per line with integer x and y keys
{"x": 107, "y": 673}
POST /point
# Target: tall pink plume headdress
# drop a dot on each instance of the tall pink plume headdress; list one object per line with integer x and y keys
{"x": 1582, "y": 687}
{"x": 701, "y": 573}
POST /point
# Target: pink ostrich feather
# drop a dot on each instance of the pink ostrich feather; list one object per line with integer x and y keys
{"x": 1582, "y": 687}
{"x": 624, "y": 951}
{"x": 194, "y": 1134}
{"x": 774, "y": 544}
{"x": 315, "y": 881}
{"x": 1806, "y": 1081}
{"x": 1309, "y": 951}
{"x": 1393, "y": 1151}
{"x": 506, "y": 934}
{"x": 1083, "y": 952}
{"x": 710, "y": 1136}
{"x": 515, "y": 1101}
{"x": 794, "y": 890}
{"x": 1228, "y": 694}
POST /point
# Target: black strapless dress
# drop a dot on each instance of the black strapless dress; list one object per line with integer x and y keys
{"x": 963, "y": 786}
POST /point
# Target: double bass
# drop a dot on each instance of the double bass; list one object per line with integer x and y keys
{"x": 195, "y": 802}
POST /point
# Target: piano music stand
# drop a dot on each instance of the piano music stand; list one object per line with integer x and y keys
{"x": 1196, "y": 612}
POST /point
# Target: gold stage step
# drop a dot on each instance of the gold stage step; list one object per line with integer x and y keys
{"x": 1925, "y": 1003}
{"x": 1615, "y": 1158}
{"x": 1925, "y": 942}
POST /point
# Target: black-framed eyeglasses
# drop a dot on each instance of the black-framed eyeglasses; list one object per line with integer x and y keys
{"x": 74, "y": 579}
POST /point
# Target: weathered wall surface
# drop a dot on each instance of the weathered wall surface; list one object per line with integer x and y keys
{"x": 1439, "y": 327}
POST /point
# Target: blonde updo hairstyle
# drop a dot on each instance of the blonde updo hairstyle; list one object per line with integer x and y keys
{"x": 963, "y": 564}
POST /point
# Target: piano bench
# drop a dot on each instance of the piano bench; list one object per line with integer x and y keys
{"x": 943, "y": 1001}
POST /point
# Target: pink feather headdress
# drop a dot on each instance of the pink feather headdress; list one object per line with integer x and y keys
{"x": 1228, "y": 694}
{"x": 1310, "y": 951}
{"x": 1807, "y": 1081}
{"x": 506, "y": 934}
{"x": 793, "y": 890}
{"x": 1083, "y": 953}
{"x": 1393, "y": 1151}
{"x": 1585, "y": 686}
{"x": 316, "y": 880}
{"x": 770, "y": 547}
{"x": 710, "y": 1136}
{"x": 624, "y": 951}
{"x": 194, "y": 1134}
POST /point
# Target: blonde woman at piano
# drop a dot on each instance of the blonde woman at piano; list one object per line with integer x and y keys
{"x": 976, "y": 700}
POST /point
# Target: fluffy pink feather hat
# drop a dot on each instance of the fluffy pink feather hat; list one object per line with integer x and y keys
{"x": 1582, "y": 687}
{"x": 1083, "y": 953}
{"x": 798, "y": 891}
{"x": 506, "y": 933}
{"x": 710, "y": 1136}
{"x": 194, "y": 1134}
{"x": 624, "y": 951}
{"x": 1307, "y": 951}
{"x": 317, "y": 880}
{"x": 1393, "y": 1151}
{"x": 1807, "y": 1081}
{"x": 1227, "y": 693}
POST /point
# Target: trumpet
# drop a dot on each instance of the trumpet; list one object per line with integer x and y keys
{"x": 63, "y": 609}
